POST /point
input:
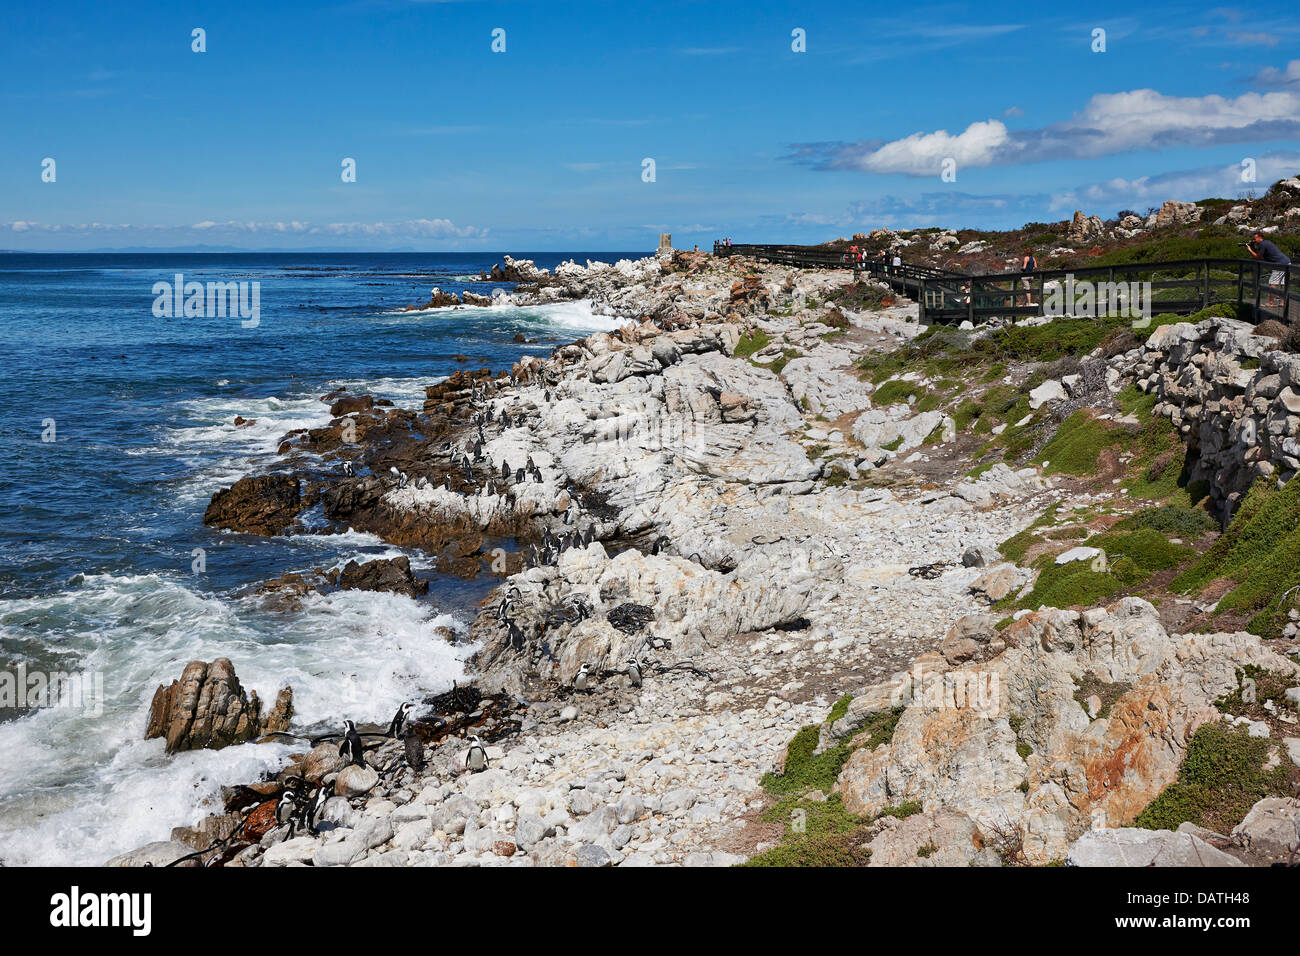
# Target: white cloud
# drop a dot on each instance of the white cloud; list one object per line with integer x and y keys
{"x": 1185, "y": 185}
{"x": 1109, "y": 123}
{"x": 1273, "y": 78}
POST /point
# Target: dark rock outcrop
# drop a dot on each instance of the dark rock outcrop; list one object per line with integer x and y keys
{"x": 265, "y": 504}
{"x": 384, "y": 574}
{"x": 207, "y": 708}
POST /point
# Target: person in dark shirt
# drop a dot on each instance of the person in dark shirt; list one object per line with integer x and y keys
{"x": 1267, "y": 251}
{"x": 1028, "y": 264}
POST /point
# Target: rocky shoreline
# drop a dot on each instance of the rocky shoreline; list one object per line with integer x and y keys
{"x": 729, "y": 574}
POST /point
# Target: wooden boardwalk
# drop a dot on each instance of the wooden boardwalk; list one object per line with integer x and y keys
{"x": 1184, "y": 286}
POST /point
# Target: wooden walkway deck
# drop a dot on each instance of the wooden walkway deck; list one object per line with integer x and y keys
{"x": 1184, "y": 286}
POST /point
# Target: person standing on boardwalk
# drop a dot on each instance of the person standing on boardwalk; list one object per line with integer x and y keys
{"x": 1029, "y": 264}
{"x": 896, "y": 261}
{"x": 1267, "y": 251}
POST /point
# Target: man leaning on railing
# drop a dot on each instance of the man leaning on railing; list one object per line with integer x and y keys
{"x": 1267, "y": 251}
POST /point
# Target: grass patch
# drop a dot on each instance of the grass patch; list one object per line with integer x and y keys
{"x": 1133, "y": 557}
{"x": 805, "y": 769}
{"x": 1221, "y": 778}
{"x": 1264, "y": 685}
{"x": 1088, "y": 685}
{"x": 818, "y": 833}
{"x": 840, "y": 708}
{"x": 1179, "y": 521}
{"x": 755, "y": 340}
{"x": 1078, "y": 444}
{"x": 1260, "y": 553}
{"x": 897, "y": 391}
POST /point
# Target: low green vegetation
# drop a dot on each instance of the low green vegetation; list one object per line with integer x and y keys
{"x": 807, "y": 770}
{"x": 1132, "y": 558}
{"x": 752, "y": 341}
{"x": 1260, "y": 554}
{"x": 840, "y": 708}
{"x": 1265, "y": 687}
{"x": 820, "y": 831}
{"x": 1221, "y": 778}
{"x": 896, "y": 391}
{"x": 1078, "y": 444}
{"x": 1175, "y": 520}
{"x": 1089, "y": 685}
{"x": 817, "y": 833}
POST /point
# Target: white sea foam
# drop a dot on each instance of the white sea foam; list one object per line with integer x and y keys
{"x": 576, "y": 314}
{"x": 81, "y": 788}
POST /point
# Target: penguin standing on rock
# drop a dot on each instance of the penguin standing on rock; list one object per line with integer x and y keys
{"x": 285, "y": 810}
{"x": 317, "y": 807}
{"x": 582, "y": 682}
{"x": 399, "y": 475}
{"x": 351, "y": 748}
{"x": 399, "y": 720}
{"x": 633, "y": 672}
{"x": 349, "y": 469}
{"x": 476, "y": 758}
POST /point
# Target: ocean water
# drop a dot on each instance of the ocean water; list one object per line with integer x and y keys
{"x": 118, "y": 427}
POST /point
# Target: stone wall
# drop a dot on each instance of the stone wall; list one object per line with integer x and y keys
{"x": 1232, "y": 396}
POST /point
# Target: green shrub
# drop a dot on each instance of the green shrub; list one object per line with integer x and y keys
{"x": 1221, "y": 778}
{"x": 896, "y": 391}
{"x": 1078, "y": 444}
{"x": 755, "y": 340}
{"x": 1260, "y": 552}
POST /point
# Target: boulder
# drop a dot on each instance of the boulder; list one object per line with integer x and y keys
{"x": 263, "y": 504}
{"x": 940, "y": 837}
{"x": 382, "y": 574}
{"x": 208, "y": 708}
{"x": 1130, "y": 846}
{"x": 1085, "y": 228}
{"x": 1271, "y": 828}
{"x": 161, "y": 853}
{"x": 355, "y": 781}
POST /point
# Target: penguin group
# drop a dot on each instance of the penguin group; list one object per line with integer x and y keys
{"x": 547, "y": 552}
{"x": 293, "y": 813}
{"x": 399, "y": 475}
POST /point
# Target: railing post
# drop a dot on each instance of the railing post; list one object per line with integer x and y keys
{"x": 1205, "y": 293}
{"x": 920, "y": 298}
{"x": 1286, "y": 294}
{"x": 1255, "y": 318}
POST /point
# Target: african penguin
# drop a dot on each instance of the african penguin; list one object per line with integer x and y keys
{"x": 476, "y": 758}
{"x": 349, "y": 469}
{"x": 317, "y": 806}
{"x": 284, "y": 810}
{"x": 633, "y": 672}
{"x": 582, "y": 680}
{"x": 351, "y": 748}
{"x": 399, "y": 720}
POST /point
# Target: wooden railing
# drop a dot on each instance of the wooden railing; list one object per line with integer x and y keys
{"x": 1183, "y": 286}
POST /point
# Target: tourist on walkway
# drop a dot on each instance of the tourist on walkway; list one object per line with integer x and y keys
{"x": 896, "y": 261}
{"x": 1029, "y": 264}
{"x": 1267, "y": 251}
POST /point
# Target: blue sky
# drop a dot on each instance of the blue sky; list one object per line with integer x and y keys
{"x": 541, "y": 147}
